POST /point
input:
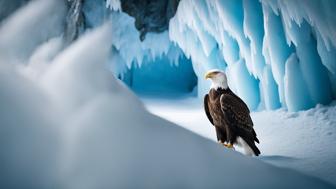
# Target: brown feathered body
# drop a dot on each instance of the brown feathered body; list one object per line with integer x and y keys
{"x": 231, "y": 117}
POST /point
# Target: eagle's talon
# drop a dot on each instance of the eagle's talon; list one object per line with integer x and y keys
{"x": 229, "y": 145}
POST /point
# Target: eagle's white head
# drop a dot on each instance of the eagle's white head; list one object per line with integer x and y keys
{"x": 218, "y": 79}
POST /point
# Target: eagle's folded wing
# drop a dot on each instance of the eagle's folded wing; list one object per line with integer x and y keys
{"x": 236, "y": 110}
{"x": 206, "y": 108}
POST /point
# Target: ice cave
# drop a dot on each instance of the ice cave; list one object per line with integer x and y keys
{"x": 274, "y": 54}
{"x": 109, "y": 93}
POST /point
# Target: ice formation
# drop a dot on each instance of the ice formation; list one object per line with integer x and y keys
{"x": 254, "y": 41}
{"x": 251, "y": 40}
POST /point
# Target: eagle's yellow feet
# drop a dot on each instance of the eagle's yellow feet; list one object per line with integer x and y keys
{"x": 229, "y": 145}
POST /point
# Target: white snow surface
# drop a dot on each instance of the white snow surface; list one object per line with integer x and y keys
{"x": 66, "y": 122}
{"x": 24, "y": 27}
{"x": 303, "y": 141}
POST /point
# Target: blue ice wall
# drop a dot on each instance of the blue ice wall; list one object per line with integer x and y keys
{"x": 161, "y": 78}
{"x": 153, "y": 66}
{"x": 296, "y": 89}
{"x": 276, "y": 53}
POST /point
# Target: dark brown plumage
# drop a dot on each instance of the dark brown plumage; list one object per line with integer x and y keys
{"x": 231, "y": 117}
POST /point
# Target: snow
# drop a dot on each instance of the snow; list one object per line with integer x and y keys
{"x": 29, "y": 141}
{"x": 24, "y": 27}
{"x": 301, "y": 141}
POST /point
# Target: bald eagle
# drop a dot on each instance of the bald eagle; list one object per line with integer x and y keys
{"x": 230, "y": 115}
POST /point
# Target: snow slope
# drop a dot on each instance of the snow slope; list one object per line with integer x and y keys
{"x": 68, "y": 123}
{"x": 302, "y": 141}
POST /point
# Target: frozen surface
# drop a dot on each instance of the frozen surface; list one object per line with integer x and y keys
{"x": 301, "y": 141}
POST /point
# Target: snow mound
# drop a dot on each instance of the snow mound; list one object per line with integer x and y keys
{"x": 29, "y": 26}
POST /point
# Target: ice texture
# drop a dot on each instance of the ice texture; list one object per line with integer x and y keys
{"x": 254, "y": 40}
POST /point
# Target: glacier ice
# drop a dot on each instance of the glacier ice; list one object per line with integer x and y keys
{"x": 171, "y": 79}
{"x": 254, "y": 41}
{"x": 113, "y": 4}
{"x": 129, "y": 54}
{"x": 296, "y": 89}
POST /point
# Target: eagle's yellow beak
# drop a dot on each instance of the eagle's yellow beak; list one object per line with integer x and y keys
{"x": 209, "y": 75}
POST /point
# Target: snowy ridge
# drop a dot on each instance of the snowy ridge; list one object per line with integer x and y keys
{"x": 253, "y": 40}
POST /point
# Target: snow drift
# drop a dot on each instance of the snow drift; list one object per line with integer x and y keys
{"x": 71, "y": 124}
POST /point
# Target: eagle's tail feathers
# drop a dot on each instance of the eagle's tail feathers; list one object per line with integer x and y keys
{"x": 255, "y": 149}
{"x": 255, "y": 136}
{"x": 249, "y": 147}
